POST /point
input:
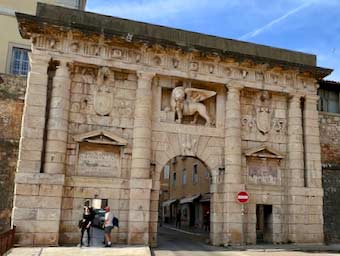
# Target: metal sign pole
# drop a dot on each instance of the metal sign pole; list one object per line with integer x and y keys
{"x": 243, "y": 225}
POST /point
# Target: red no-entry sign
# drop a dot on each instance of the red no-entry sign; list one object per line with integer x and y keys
{"x": 242, "y": 197}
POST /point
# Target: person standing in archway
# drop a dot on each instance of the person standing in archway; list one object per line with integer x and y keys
{"x": 178, "y": 219}
{"x": 206, "y": 221}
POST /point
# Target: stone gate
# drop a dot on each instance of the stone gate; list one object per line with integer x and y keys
{"x": 109, "y": 101}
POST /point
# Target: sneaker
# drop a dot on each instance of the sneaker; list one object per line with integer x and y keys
{"x": 108, "y": 245}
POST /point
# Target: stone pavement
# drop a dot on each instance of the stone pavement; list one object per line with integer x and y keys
{"x": 174, "y": 243}
{"x": 88, "y": 251}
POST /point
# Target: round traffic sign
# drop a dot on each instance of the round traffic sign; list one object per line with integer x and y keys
{"x": 242, "y": 197}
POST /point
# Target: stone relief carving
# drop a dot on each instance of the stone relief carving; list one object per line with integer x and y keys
{"x": 261, "y": 121}
{"x": 263, "y": 114}
{"x": 188, "y": 144}
{"x": 187, "y": 102}
{"x": 103, "y": 97}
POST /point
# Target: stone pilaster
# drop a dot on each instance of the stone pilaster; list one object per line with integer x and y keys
{"x": 295, "y": 143}
{"x": 37, "y": 196}
{"x": 295, "y": 171}
{"x": 233, "y": 177}
{"x": 312, "y": 142}
{"x": 313, "y": 230}
{"x": 33, "y": 120}
{"x": 57, "y": 125}
{"x": 140, "y": 181}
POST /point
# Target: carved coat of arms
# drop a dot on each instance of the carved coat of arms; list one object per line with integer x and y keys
{"x": 103, "y": 97}
{"x": 263, "y": 119}
{"x": 103, "y": 101}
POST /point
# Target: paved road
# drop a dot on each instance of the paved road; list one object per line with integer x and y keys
{"x": 173, "y": 243}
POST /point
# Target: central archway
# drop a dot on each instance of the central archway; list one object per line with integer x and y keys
{"x": 185, "y": 196}
{"x": 207, "y": 149}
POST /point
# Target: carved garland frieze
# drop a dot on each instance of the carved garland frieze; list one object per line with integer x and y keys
{"x": 159, "y": 56}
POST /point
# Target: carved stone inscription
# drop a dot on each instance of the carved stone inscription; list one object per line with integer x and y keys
{"x": 98, "y": 163}
{"x": 263, "y": 171}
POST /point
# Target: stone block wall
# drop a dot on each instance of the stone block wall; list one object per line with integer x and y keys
{"x": 329, "y": 138}
{"x": 12, "y": 90}
{"x": 331, "y": 184}
{"x": 80, "y": 183}
{"x": 330, "y": 155}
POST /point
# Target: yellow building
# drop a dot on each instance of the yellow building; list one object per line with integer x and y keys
{"x": 14, "y": 49}
{"x": 185, "y": 186}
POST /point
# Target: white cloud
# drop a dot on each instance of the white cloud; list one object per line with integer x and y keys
{"x": 275, "y": 21}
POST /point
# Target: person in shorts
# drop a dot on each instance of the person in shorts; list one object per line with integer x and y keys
{"x": 108, "y": 226}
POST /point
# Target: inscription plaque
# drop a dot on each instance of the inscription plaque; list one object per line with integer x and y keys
{"x": 263, "y": 171}
{"x": 98, "y": 162}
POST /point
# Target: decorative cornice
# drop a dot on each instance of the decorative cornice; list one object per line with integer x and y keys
{"x": 100, "y": 41}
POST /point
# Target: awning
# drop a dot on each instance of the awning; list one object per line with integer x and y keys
{"x": 188, "y": 199}
{"x": 169, "y": 202}
{"x": 205, "y": 198}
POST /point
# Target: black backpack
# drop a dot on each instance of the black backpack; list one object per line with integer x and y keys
{"x": 115, "y": 222}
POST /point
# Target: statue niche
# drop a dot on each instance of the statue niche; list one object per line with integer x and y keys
{"x": 187, "y": 102}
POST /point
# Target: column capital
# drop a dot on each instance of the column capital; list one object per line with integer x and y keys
{"x": 64, "y": 67}
{"x": 234, "y": 86}
{"x": 38, "y": 58}
{"x": 295, "y": 97}
{"x": 145, "y": 75}
{"x": 312, "y": 98}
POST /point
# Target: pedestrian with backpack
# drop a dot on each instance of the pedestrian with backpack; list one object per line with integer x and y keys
{"x": 108, "y": 226}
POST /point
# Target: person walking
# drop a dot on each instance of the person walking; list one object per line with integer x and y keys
{"x": 178, "y": 219}
{"x": 206, "y": 221}
{"x": 85, "y": 225}
{"x": 108, "y": 226}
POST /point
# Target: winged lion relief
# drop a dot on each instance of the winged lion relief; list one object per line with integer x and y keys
{"x": 188, "y": 102}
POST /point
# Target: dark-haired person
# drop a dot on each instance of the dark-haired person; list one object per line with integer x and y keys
{"x": 85, "y": 224}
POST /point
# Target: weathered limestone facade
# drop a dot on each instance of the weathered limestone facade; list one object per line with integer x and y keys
{"x": 98, "y": 123}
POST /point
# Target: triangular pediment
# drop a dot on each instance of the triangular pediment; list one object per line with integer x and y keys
{"x": 101, "y": 137}
{"x": 264, "y": 151}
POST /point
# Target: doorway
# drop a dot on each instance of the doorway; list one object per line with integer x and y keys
{"x": 264, "y": 223}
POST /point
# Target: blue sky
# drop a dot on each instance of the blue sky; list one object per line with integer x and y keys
{"x": 311, "y": 26}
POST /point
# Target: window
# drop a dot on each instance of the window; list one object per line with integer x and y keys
{"x": 174, "y": 180}
{"x": 19, "y": 61}
{"x": 184, "y": 177}
{"x": 166, "y": 172}
{"x": 194, "y": 174}
{"x": 329, "y": 101}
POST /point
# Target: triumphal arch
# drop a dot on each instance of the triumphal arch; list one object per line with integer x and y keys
{"x": 110, "y": 101}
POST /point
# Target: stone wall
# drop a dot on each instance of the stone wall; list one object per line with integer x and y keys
{"x": 330, "y": 139}
{"x": 331, "y": 184}
{"x": 12, "y": 90}
{"x": 330, "y": 155}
